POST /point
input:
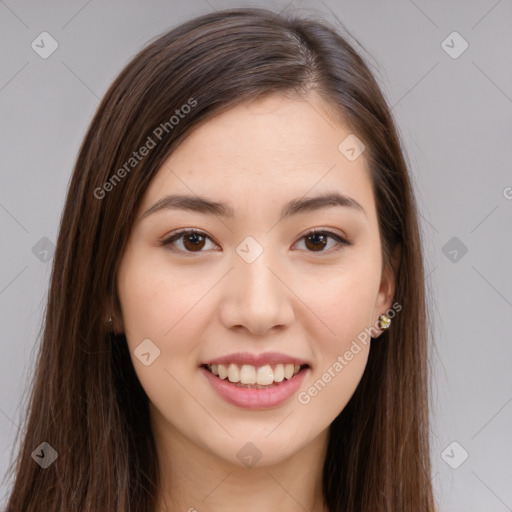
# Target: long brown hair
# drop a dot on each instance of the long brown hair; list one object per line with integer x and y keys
{"x": 86, "y": 401}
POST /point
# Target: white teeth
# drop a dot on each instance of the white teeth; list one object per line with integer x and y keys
{"x": 288, "y": 371}
{"x": 223, "y": 371}
{"x": 279, "y": 373}
{"x": 233, "y": 373}
{"x": 264, "y": 375}
{"x": 248, "y": 374}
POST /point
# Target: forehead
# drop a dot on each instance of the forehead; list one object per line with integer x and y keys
{"x": 266, "y": 150}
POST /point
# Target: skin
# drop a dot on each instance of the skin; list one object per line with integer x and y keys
{"x": 196, "y": 306}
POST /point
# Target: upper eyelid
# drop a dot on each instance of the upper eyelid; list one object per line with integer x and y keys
{"x": 186, "y": 231}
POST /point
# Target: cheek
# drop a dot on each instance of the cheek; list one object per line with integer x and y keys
{"x": 341, "y": 357}
{"x": 157, "y": 301}
{"x": 344, "y": 302}
{"x": 332, "y": 386}
{"x": 162, "y": 305}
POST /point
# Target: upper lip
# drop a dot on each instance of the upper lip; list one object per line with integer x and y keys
{"x": 258, "y": 359}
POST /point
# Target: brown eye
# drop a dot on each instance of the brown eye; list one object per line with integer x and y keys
{"x": 191, "y": 241}
{"x": 317, "y": 241}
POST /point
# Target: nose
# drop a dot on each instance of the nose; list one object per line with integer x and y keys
{"x": 256, "y": 297}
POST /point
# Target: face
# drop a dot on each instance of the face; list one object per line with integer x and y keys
{"x": 248, "y": 290}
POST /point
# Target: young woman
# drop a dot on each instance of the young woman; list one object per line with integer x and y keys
{"x": 236, "y": 318}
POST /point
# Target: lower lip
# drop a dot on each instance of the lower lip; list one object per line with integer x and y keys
{"x": 250, "y": 398}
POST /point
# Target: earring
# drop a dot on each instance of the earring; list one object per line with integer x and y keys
{"x": 109, "y": 323}
{"x": 384, "y": 321}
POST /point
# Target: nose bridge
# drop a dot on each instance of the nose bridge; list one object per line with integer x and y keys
{"x": 258, "y": 298}
{"x": 256, "y": 278}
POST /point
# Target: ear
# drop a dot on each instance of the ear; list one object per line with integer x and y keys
{"x": 387, "y": 285}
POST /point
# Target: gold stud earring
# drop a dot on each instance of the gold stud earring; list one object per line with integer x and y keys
{"x": 384, "y": 321}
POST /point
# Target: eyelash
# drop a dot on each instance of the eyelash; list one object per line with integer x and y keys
{"x": 176, "y": 236}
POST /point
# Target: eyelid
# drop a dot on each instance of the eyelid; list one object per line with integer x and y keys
{"x": 176, "y": 235}
{"x": 327, "y": 231}
{"x": 342, "y": 240}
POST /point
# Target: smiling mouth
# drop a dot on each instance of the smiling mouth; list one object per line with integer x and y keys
{"x": 255, "y": 377}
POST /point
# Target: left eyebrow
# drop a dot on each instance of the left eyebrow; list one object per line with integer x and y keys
{"x": 296, "y": 206}
{"x": 303, "y": 205}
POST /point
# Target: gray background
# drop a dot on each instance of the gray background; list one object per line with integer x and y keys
{"x": 455, "y": 119}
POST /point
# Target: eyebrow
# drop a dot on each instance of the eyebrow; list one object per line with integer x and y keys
{"x": 205, "y": 206}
